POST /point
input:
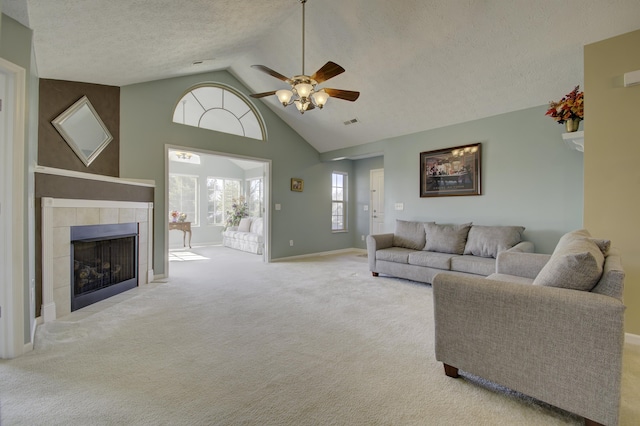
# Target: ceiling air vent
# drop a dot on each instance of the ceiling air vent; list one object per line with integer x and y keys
{"x": 352, "y": 121}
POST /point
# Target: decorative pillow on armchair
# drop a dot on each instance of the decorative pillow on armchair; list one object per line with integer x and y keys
{"x": 245, "y": 224}
{"x": 576, "y": 262}
{"x": 488, "y": 241}
{"x": 446, "y": 238}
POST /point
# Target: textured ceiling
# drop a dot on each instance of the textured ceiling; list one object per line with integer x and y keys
{"x": 419, "y": 64}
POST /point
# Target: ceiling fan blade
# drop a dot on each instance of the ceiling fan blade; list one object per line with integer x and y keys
{"x": 271, "y": 72}
{"x": 262, "y": 95}
{"x": 329, "y": 70}
{"x": 347, "y": 95}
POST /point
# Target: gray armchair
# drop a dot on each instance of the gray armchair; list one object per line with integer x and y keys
{"x": 560, "y": 346}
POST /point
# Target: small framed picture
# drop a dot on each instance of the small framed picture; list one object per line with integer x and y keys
{"x": 297, "y": 184}
{"x": 450, "y": 171}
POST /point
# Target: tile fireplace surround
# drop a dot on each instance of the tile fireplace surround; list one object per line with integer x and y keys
{"x": 58, "y": 216}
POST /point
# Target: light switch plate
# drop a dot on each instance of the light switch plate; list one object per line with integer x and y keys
{"x": 399, "y": 206}
{"x": 278, "y": 206}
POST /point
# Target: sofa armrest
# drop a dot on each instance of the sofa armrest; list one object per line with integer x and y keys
{"x": 526, "y": 265}
{"x": 561, "y": 346}
{"x": 377, "y": 242}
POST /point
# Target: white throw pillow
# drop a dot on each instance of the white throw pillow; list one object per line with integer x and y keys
{"x": 245, "y": 224}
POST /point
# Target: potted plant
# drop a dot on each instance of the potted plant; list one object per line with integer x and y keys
{"x": 568, "y": 110}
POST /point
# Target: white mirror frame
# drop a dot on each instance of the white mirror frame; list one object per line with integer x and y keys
{"x": 83, "y": 130}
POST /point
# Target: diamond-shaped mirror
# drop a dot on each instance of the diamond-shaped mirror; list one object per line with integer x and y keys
{"x": 83, "y": 130}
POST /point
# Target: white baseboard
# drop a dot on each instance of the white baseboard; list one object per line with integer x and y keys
{"x": 632, "y": 339}
{"x": 322, "y": 253}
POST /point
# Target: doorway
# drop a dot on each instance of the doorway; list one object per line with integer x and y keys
{"x": 376, "y": 185}
{"x": 200, "y": 188}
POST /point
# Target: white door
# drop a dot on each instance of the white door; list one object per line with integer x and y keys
{"x": 376, "y": 186}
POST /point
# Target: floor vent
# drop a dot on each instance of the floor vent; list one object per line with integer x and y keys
{"x": 352, "y": 121}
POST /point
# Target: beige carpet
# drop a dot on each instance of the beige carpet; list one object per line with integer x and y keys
{"x": 229, "y": 340}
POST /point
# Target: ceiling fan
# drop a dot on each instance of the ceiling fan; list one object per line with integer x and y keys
{"x": 304, "y": 92}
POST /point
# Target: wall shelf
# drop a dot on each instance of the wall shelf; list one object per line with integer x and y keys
{"x": 574, "y": 140}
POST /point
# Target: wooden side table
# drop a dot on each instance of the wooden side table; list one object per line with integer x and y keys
{"x": 184, "y": 227}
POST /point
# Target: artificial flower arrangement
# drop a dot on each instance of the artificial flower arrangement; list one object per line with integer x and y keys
{"x": 174, "y": 215}
{"x": 239, "y": 209}
{"x": 570, "y": 107}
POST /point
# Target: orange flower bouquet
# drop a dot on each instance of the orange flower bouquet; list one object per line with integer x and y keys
{"x": 570, "y": 107}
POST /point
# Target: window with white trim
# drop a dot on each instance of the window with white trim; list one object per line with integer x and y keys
{"x": 338, "y": 201}
{"x": 255, "y": 194}
{"x": 221, "y": 108}
{"x": 221, "y": 194}
{"x": 183, "y": 196}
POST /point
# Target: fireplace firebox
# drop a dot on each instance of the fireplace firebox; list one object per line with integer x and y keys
{"x": 104, "y": 262}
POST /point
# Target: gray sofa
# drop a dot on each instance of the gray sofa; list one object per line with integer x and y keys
{"x": 548, "y": 326}
{"x": 419, "y": 250}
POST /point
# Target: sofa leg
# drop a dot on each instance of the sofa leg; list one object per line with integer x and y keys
{"x": 450, "y": 371}
{"x": 588, "y": 422}
{"x": 375, "y": 274}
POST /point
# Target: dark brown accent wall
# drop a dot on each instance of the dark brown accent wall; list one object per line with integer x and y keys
{"x": 58, "y": 95}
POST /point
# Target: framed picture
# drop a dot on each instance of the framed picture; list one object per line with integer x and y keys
{"x": 450, "y": 171}
{"x": 297, "y": 184}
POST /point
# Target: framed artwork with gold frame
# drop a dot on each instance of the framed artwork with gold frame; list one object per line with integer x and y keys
{"x": 297, "y": 184}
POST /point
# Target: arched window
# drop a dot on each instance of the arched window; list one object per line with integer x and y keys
{"x": 218, "y": 107}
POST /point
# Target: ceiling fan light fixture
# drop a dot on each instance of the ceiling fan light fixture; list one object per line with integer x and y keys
{"x": 303, "y": 89}
{"x": 304, "y": 92}
{"x": 284, "y": 96}
{"x": 320, "y": 98}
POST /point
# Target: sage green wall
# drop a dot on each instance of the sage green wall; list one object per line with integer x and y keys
{"x": 146, "y": 112}
{"x": 362, "y": 169}
{"x": 612, "y": 149}
{"x": 16, "y": 47}
{"x": 529, "y": 177}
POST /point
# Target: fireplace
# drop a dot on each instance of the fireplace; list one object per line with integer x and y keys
{"x": 59, "y": 215}
{"x": 104, "y": 262}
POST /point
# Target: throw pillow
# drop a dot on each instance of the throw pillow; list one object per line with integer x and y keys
{"x": 488, "y": 241}
{"x": 245, "y": 224}
{"x": 576, "y": 264}
{"x": 446, "y": 238}
{"x": 604, "y": 245}
{"x": 409, "y": 235}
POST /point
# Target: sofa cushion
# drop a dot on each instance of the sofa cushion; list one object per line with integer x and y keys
{"x": 245, "y": 224}
{"x": 394, "y": 254}
{"x": 431, "y": 259}
{"x": 576, "y": 263}
{"x": 473, "y": 265}
{"x": 488, "y": 241}
{"x": 257, "y": 226}
{"x": 446, "y": 238}
{"x": 409, "y": 234}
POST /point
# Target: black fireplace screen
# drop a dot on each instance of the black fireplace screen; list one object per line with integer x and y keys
{"x": 104, "y": 262}
{"x": 100, "y": 264}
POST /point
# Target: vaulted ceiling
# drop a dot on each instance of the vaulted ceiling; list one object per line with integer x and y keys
{"x": 419, "y": 64}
